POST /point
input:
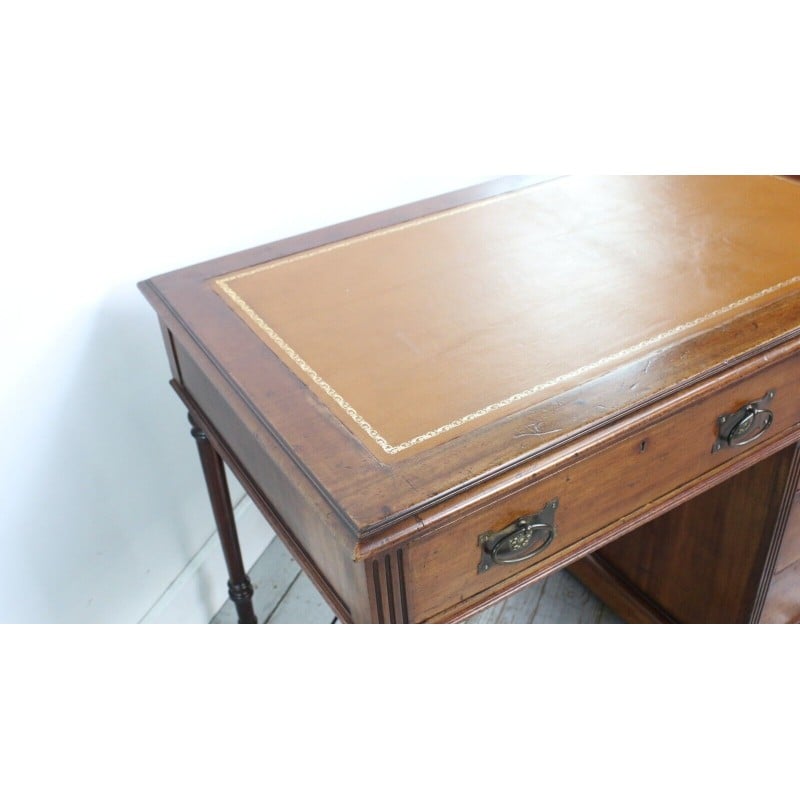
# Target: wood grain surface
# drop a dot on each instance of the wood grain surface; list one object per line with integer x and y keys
{"x": 717, "y": 242}
{"x": 711, "y": 559}
{"x": 783, "y": 597}
{"x": 391, "y": 388}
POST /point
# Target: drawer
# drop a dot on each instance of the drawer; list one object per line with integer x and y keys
{"x": 596, "y": 486}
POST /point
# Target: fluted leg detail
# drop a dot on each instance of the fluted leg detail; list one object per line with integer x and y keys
{"x": 239, "y": 587}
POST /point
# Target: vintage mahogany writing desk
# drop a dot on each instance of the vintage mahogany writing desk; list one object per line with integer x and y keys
{"x": 437, "y": 405}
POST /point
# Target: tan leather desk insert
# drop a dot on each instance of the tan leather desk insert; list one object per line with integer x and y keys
{"x": 403, "y": 395}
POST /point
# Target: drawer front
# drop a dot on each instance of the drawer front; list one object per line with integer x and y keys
{"x": 447, "y": 567}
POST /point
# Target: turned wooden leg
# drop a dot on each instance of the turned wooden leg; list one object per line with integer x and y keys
{"x": 239, "y": 587}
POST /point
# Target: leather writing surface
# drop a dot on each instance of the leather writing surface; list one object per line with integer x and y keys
{"x": 415, "y": 333}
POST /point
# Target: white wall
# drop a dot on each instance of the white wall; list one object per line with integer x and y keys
{"x": 103, "y": 502}
{"x": 104, "y": 505}
{"x": 133, "y": 144}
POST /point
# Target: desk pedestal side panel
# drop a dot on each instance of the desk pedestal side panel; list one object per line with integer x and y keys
{"x": 783, "y": 598}
{"x": 309, "y": 527}
{"x": 710, "y": 560}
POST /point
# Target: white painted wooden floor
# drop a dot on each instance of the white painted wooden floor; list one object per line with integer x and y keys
{"x": 283, "y": 594}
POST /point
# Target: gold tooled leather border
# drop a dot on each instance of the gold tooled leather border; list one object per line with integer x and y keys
{"x": 363, "y": 424}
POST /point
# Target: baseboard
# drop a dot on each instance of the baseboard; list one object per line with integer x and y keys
{"x": 199, "y": 591}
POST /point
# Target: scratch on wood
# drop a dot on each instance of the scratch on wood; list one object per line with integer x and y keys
{"x": 535, "y": 429}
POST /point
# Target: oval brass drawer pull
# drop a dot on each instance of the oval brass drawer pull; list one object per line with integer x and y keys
{"x": 744, "y": 425}
{"x": 519, "y": 541}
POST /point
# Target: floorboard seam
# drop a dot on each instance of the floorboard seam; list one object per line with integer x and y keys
{"x": 532, "y": 618}
{"x": 282, "y": 598}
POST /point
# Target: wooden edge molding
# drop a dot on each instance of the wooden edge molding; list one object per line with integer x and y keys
{"x": 388, "y": 597}
{"x": 784, "y": 510}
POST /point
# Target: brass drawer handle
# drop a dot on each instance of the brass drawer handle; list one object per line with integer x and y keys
{"x": 521, "y": 540}
{"x": 746, "y": 424}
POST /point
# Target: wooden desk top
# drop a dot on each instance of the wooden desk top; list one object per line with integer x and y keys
{"x": 404, "y": 356}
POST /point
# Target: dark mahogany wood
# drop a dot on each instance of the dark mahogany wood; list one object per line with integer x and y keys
{"x": 395, "y": 538}
{"x": 388, "y": 587}
{"x": 370, "y": 495}
{"x": 289, "y": 530}
{"x": 617, "y": 592}
{"x": 239, "y": 587}
{"x": 710, "y": 560}
{"x": 783, "y": 596}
